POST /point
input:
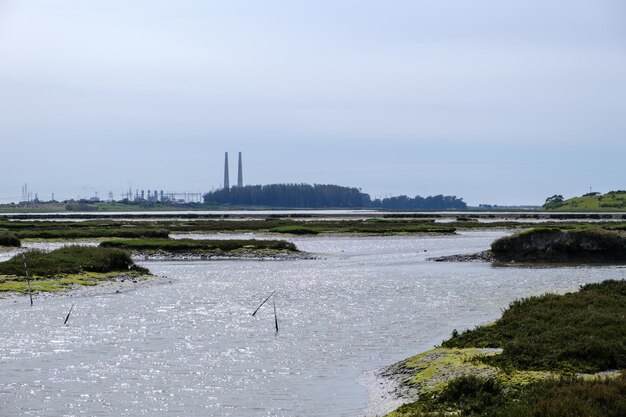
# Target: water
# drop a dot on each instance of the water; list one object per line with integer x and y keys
{"x": 192, "y": 348}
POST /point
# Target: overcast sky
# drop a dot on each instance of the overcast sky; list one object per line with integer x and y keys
{"x": 500, "y": 102}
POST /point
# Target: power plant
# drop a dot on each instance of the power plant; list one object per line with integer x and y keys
{"x": 147, "y": 195}
{"x": 239, "y": 172}
{"x": 226, "y": 181}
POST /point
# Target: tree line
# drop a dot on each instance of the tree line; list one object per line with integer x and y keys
{"x": 436, "y": 202}
{"x": 324, "y": 196}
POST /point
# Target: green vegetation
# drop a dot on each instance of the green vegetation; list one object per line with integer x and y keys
{"x": 82, "y": 230}
{"x": 95, "y": 233}
{"x": 69, "y": 260}
{"x": 554, "y": 349}
{"x": 198, "y": 246}
{"x": 471, "y": 396}
{"x": 281, "y": 225}
{"x": 9, "y": 239}
{"x": 291, "y": 196}
{"x": 64, "y": 282}
{"x": 61, "y": 268}
{"x": 611, "y": 201}
{"x": 583, "y": 331}
{"x": 161, "y": 228}
{"x": 436, "y": 202}
{"x": 382, "y": 226}
{"x": 109, "y": 228}
{"x": 547, "y": 244}
{"x": 325, "y": 196}
{"x": 295, "y": 230}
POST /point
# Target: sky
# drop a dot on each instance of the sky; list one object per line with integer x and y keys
{"x": 496, "y": 102}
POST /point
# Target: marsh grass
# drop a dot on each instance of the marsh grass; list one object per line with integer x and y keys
{"x": 193, "y": 245}
{"x": 9, "y": 239}
{"x": 317, "y": 226}
{"x": 470, "y": 396}
{"x": 566, "y": 336}
{"x": 295, "y": 230}
{"x": 158, "y": 228}
{"x": 83, "y": 233}
{"x": 69, "y": 260}
{"x": 584, "y": 331}
{"x": 83, "y": 229}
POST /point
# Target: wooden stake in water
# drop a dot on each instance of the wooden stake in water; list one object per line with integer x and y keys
{"x": 30, "y": 290}
{"x": 264, "y": 301}
{"x": 275, "y": 316}
{"x": 68, "y": 314}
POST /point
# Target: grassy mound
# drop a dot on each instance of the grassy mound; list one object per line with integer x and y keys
{"x": 611, "y": 201}
{"x": 192, "y": 245}
{"x": 70, "y": 260}
{"x": 556, "y": 245}
{"x": 64, "y": 268}
{"x": 9, "y": 239}
{"x": 583, "y": 331}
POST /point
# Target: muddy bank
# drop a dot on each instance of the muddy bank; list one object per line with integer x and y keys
{"x": 382, "y": 392}
{"x": 402, "y": 382}
{"x": 161, "y": 255}
{"x": 485, "y": 256}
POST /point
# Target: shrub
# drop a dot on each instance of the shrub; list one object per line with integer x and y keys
{"x": 9, "y": 239}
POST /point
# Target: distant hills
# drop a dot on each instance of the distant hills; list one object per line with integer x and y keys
{"x": 611, "y": 201}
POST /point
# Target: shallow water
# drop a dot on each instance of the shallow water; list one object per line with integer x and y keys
{"x": 192, "y": 348}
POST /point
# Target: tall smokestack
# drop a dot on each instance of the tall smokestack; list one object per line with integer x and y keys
{"x": 240, "y": 173}
{"x": 226, "y": 182}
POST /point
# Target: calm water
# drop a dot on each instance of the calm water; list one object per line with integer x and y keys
{"x": 192, "y": 348}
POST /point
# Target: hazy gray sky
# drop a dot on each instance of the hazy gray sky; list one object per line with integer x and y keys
{"x": 494, "y": 101}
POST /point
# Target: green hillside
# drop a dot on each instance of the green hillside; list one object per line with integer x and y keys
{"x": 611, "y": 201}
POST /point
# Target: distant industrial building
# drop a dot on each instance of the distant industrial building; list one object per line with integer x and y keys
{"x": 226, "y": 181}
{"x": 239, "y": 172}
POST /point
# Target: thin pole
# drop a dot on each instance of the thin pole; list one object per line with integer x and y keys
{"x": 30, "y": 290}
{"x": 68, "y": 314}
{"x": 275, "y": 316}
{"x": 264, "y": 301}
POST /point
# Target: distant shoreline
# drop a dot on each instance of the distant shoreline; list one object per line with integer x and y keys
{"x": 307, "y": 213}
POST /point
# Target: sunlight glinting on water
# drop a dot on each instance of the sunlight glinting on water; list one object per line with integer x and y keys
{"x": 188, "y": 345}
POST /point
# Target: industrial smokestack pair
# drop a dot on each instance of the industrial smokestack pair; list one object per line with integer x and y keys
{"x": 239, "y": 172}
